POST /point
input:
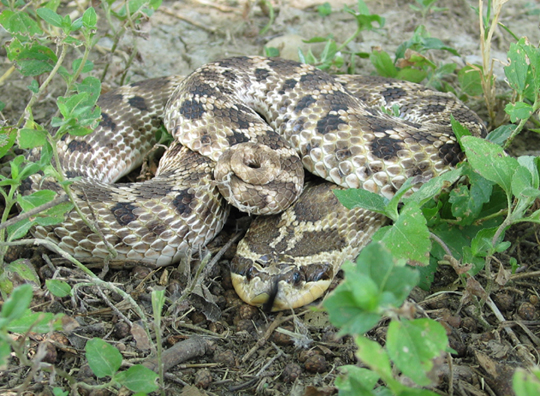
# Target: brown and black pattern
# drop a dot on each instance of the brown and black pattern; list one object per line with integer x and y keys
{"x": 249, "y": 125}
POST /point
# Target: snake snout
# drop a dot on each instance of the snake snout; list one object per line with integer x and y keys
{"x": 257, "y": 179}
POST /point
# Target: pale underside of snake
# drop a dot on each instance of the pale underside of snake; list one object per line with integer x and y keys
{"x": 244, "y": 131}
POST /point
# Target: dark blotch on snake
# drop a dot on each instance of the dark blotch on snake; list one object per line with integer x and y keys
{"x": 229, "y": 75}
{"x": 261, "y": 74}
{"x": 380, "y": 124}
{"x": 192, "y": 109}
{"x": 154, "y": 188}
{"x": 261, "y": 233}
{"x": 433, "y": 109}
{"x": 123, "y": 213}
{"x": 393, "y": 93}
{"x": 153, "y": 85}
{"x": 339, "y": 101}
{"x": 315, "y": 79}
{"x": 386, "y": 147}
{"x": 107, "y": 122}
{"x": 138, "y": 102}
{"x": 70, "y": 174}
{"x": 304, "y": 103}
{"x": 288, "y": 85}
{"x": 451, "y": 153}
{"x": 182, "y": 202}
{"x": 202, "y": 90}
{"x": 240, "y": 62}
{"x": 283, "y": 66}
{"x": 236, "y": 138}
{"x": 110, "y": 100}
{"x": 77, "y": 145}
{"x": 329, "y": 123}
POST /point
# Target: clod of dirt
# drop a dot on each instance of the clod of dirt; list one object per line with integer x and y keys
{"x": 527, "y": 311}
{"x": 315, "y": 364}
{"x": 203, "y": 378}
{"x": 291, "y": 373}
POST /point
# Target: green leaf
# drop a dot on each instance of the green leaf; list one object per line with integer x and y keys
{"x": 357, "y": 197}
{"x": 33, "y": 59}
{"x": 433, "y": 187}
{"x": 19, "y": 23}
{"x": 532, "y": 164}
{"x": 490, "y": 161}
{"x": 526, "y": 383}
{"x": 7, "y": 139}
{"x": 5, "y": 352}
{"x": 19, "y": 301}
{"x": 271, "y": 51}
{"x": 356, "y": 381}
{"x": 518, "y": 71}
{"x": 371, "y": 285}
{"x": 88, "y": 66}
{"x": 138, "y": 379}
{"x": 383, "y": 64}
{"x": 458, "y": 129}
{"x": 412, "y": 346}
{"x": 49, "y": 16}
{"x": 518, "y": 111}
{"x": 470, "y": 80}
{"x": 374, "y": 356}
{"x": 324, "y": 9}
{"x": 482, "y": 244}
{"x": 104, "y": 359}
{"x": 409, "y": 237}
{"x": 499, "y": 135}
{"x": 18, "y": 230}
{"x": 38, "y": 322}
{"x": 89, "y": 18}
{"x": 58, "y": 288}
{"x": 346, "y": 314}
{"x": 18, "y": 271}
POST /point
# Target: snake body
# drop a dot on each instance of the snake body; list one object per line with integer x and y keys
{"x": 244, "y": 131}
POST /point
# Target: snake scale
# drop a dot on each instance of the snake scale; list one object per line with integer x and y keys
{"x": 244, "y": 130}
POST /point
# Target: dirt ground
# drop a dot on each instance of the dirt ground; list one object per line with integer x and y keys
{"x": 237, "y": 349}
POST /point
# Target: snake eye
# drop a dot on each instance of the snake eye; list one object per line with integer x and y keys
{"x": 296, "y": 277}
{"x": 250, "y": 273}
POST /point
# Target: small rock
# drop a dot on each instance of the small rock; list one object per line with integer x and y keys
{"x": 247, "y": 311}
{"x": 226, "y": 358}
{"x": 140, "y": 272}
{"x": 244, "y": 325}
{"x": 291, "y": 372}
{"x": 527, "y": 311}
{"x": 316, "y": 364}
{"x": 281, "y": 338}
{"x": 504, "y": 301}
{"x": 203, "y": 378}
{"x": 121, "y": 330}
{"x": 469, "y": 325}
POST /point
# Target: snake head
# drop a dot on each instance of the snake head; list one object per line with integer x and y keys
{"x": 276, "y": 286}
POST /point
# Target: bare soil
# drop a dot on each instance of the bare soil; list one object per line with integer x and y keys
{"x": 216, "y": 344}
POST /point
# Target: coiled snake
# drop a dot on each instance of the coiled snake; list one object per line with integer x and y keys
{"x": 244, "y": 130}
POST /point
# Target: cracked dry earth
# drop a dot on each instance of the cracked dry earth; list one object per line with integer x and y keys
{"x": 217, "y": 345}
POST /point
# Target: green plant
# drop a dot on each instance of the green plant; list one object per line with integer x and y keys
{"x": 52, "y": 49}
{"x": 376, "y": 286}
{"x": 332, "y": 57}
{"x": 105, "y": 361}
{"x": 426, "y": 7}
{"x": 33, "y": 32}
{"x": 525, "y": 383}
